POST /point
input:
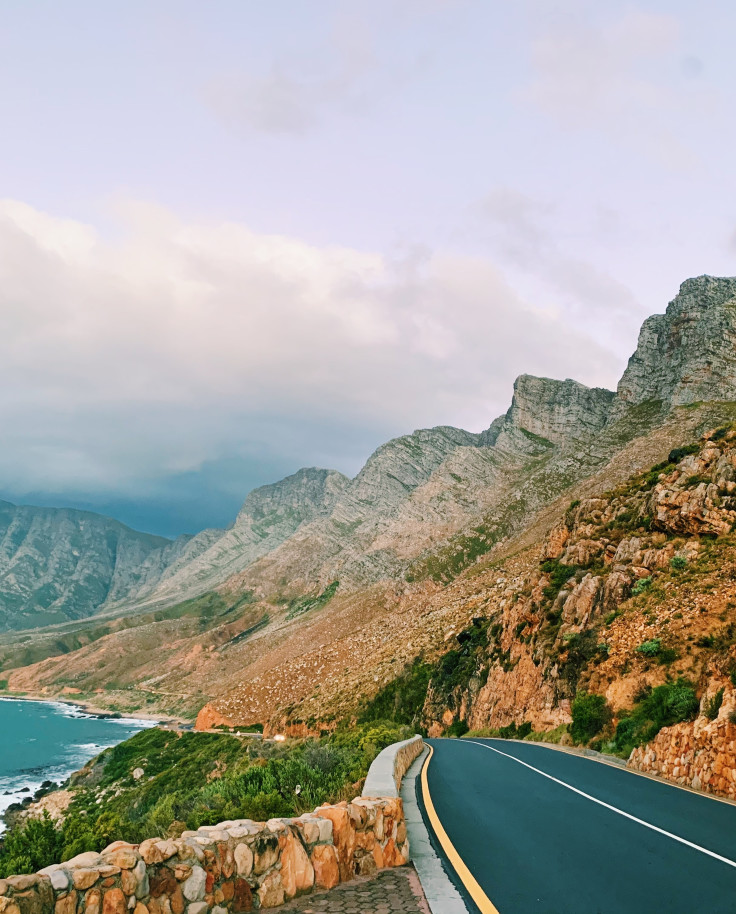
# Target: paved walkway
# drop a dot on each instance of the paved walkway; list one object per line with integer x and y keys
{"x": 395, "y": 891}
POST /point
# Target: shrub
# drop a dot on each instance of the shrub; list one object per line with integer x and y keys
{"x": 457, "y": 728}
{"x": 641, "y": 585}
{"x": 513, "y": 732}
{"x": 402, "y": 699}
{"x": 713, "y": 705}
{"x": 676, "y": 454}
{"x": 661, "y": 707}
{"x": 650, "y": 648}
{"x": 590, "y": 714}
{"x": 559, "y": 574}
{"x": 678, "y": 562}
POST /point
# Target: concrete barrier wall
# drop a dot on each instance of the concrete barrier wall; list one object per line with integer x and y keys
{"x": 390, "y": 766}
{"x": 235, "y": 866}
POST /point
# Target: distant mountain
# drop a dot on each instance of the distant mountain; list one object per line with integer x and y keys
{"x": 58, "y": 564}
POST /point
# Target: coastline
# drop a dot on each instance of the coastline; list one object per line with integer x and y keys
{"x": 74, "y": 743}
{"x": 92, "y": 710}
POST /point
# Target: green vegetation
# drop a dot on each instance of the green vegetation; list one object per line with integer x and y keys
{"x": 678, "y": 562}
{"x": 650, "y": 648}
{"x": 402, "y": 700}
{"x": 713, "y": 705}
{"x": 590, "y": 714}
{"x": 581, "y": 648}
{"x": 641, "y": 585}
{"x": 304, "y": 604}
{"x": 192, "y": 779}
{"x": 661, "y": 707}
{"x": 559, "y": 575}
{"x": 457, "y": 728}
{"x": 459, "y": 665}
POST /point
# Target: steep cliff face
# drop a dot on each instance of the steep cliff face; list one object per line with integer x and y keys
{"x": 688, "y": 354}
{"x": 557, "y": 411}
{"x": 633, "y": 588}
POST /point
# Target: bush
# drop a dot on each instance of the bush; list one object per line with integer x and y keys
{"x": 678, "y": 562}
{"x": 676, "y": 454}
{"x": 402, "y": 699}
{"x": 193, "y": 779}
{"x": 713, "y": 705}
{"x": 558, "y": 576}
{"x": 641, "y": 585}
{"x": 590, "y": 714}
{"x": 650, "y": 648}
{"x": 656, "y": 708}
{"x": 457, "y": 728}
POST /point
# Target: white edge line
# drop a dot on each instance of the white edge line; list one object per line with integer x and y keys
{"x": 626, "y": 815}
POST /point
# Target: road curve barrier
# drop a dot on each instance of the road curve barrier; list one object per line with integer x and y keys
{"x": 390, "y": 766}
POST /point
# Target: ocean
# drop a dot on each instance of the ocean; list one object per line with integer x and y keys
{"x": 43, "y": 740}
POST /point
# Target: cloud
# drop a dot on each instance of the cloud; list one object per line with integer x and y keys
{"x": 125, "y": 364}
{"x": 527, "y": 233}
{"x": 618, "y": 73}
{"x": 348, "y": 72}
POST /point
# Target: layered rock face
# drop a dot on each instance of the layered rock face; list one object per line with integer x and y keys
{"x": 557, "y": 411}
{"x": 688, "y": 354}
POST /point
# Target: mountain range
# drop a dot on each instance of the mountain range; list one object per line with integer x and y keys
{"x": 326, "y": 589}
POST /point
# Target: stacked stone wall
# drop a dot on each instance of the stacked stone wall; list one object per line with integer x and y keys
{"x": 230, "y": 868}
{"x": 700, "y": 754}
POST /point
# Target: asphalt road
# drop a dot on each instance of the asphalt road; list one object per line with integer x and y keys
{"x": 537, "y": 847}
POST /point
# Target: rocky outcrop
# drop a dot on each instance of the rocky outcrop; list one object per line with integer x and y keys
{"x": 235, "y": 866}
{"x": 560, "y": 412}
{"x": 688, "y": 354}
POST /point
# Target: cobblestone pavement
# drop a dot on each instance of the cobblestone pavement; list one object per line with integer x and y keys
{"x": 395, "y": 891}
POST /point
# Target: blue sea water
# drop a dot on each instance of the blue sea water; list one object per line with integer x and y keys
{"x": 43, "y": 740}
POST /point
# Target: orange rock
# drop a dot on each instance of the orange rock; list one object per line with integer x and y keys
{"x": 343, "y": 837}
{"x": 210, "y": 717}
{"x": 326, "y": 866}
{"x": 297, "y": 873}
{"x": 67, "y": 904}
{"x": 114, "y": 902}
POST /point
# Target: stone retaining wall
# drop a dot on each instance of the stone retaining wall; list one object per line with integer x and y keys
{"x": 233, "y": 867}
{"x": 699, "y": 754}
{"x": 389, "y": 767}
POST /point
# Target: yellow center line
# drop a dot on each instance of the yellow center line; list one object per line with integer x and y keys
{"x": 484, "y": 903}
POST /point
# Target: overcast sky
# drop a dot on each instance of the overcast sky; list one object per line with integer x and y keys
{"x": 237, "y": 237}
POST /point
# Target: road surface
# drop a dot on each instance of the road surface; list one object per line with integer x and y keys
{"x": 533, "y": 830}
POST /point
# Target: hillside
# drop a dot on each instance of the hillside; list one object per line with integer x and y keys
{"x": 379, "y": 576}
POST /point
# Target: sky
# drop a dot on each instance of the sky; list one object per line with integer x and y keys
{"x": 238, "y": 238}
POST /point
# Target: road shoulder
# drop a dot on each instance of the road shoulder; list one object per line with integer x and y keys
{"x": 441, "y": 894}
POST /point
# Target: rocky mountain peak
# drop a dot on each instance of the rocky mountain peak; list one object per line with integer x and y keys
{"x": 556, "y": 411}
{"x": 307, "y": 493}
{"x": 687, "y": 354}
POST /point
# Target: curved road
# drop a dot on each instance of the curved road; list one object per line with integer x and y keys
{"x": 545, "y": 831}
